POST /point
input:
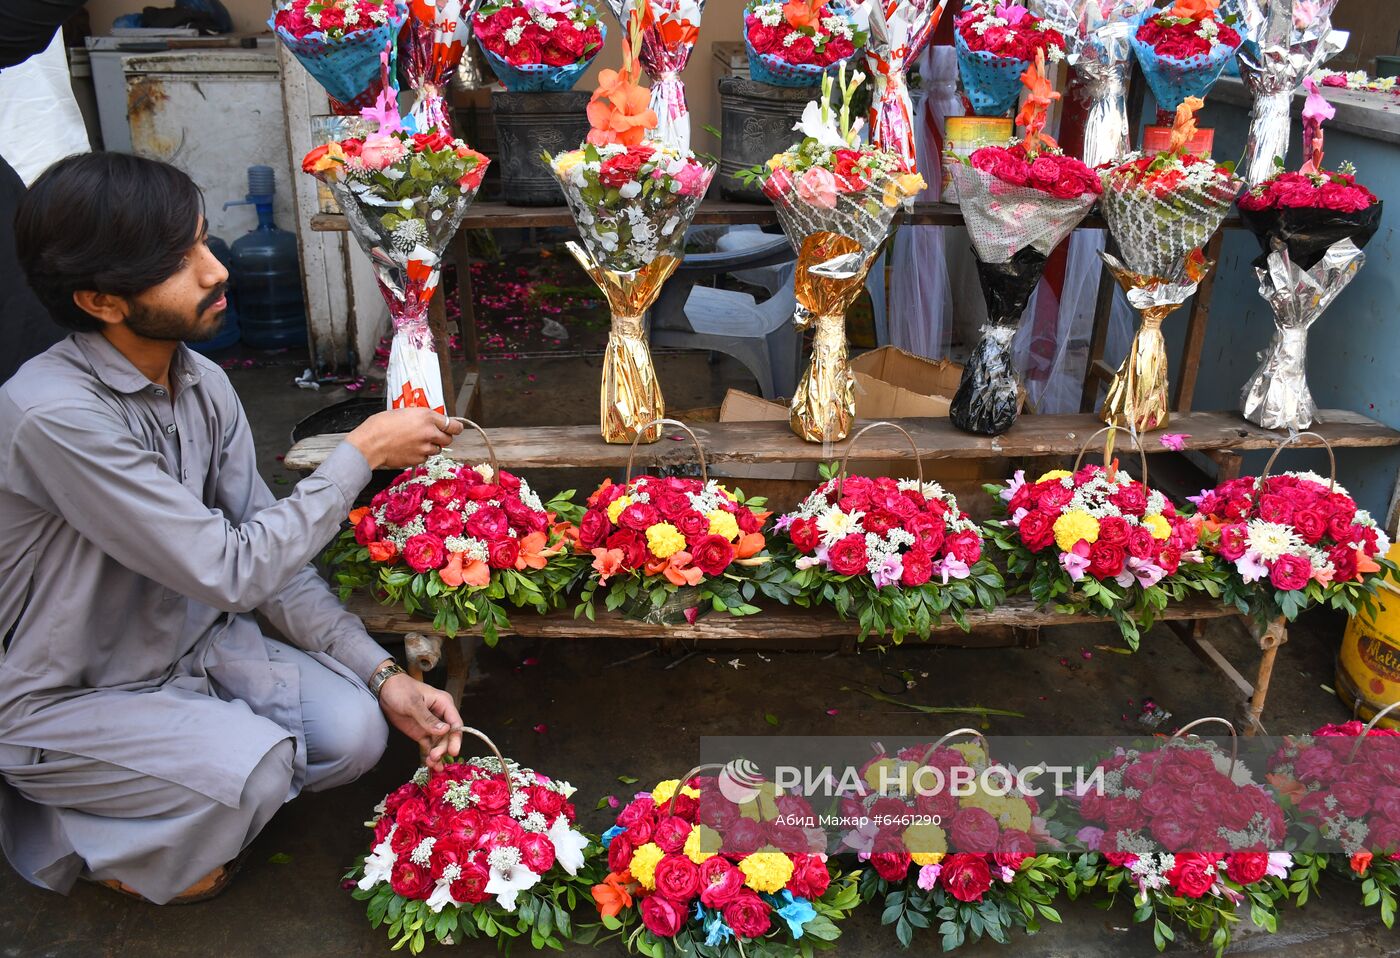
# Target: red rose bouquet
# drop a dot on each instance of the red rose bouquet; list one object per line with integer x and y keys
{"x": 1188, "y": 834}
{"x": 899, "y": 553}
{"x": 458, "y": 543}
{"x": 791, "y": 44}
{"x": 996, "y": 42}
{"x": 963, "y": 860}
{"x": 433, "y": 45}
{"x": 1183, "y": 50}
{"x": 1099, "y": 542}
{"x": 691, "y": 872}
{"x": 485, "y": 847}
{"x": 1291, "y": 541}
{"x": 340, "y": 42}
{"x": 538, "y": 45}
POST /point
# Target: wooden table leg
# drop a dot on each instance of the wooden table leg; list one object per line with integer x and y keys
{"x": 1196, "y": 329}
{"x": 421, "y": 653}
{"x": 458, "y": 667}
{"x": 442, "y": 343}
{"x": 1269, "y": 641}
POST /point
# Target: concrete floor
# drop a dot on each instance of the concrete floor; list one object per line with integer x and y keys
{"x": 580, "y": 710}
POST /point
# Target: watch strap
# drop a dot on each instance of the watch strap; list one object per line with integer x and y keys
{"x": 377, "y": 680}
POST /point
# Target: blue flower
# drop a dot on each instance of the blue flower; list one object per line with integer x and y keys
{"x": 610, "y": 834}
{"x": 716, "y": 931}
{"x": 796, "y": 912}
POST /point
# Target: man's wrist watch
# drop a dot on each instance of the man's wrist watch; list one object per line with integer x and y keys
{"x": 377, "y": 680}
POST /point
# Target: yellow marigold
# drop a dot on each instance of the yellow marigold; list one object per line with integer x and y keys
{"x": 1015, "y": 813}
{"x": 664, "y": 540}
{"x": 971, "y": 752}
{"x": 926, "y": 842}
{"x": 723, "y": 524}
{"x": 643, "y": 867}
{"x": 1054, "y": 474}
{"x": 763, "y": 807}
{"x": 701, "y": 836}
{"x": 615, "y": 509}
{"x": 665, "y": 790}
{"x": 883, "y": 774}
{"x": 1158, "y": 526}
{"x": 764, "y": 871}
{"x": 1074, "y": 526}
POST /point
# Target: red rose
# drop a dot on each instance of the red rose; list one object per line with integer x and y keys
{"x": 488, "y": 522}
{"x": 677, "y": 879}
{"x": 965, "y": 546}
{"x": 633, "y": 544}
{"x": 1246, "y": 868}
{"x": 1343, "y": 559}
{"x": 763, "y": 39}
{"x": 1311, "y": 525}
{"x": 747, "y": 915}
{"x": 366, "y": 530}
{"x": 974, "y": 830}
{"x": 637, "y": 810}
{"x": 662, "y": 917}
{"x": 810, "y": 878}
{"x": 720, "y": 882}
{"x": 466, "y": 827}
{"x": 692, "y": 525}
{"x": 502, "y": 553}
{"x": 1037, "y": 530}
{"x": 502, "y": 831}
{"x": 804, "y": 535}
{"x": 712, "y": 554}
{"x": 640, "y": 516}
{"x": 1142, "y": 544}
{"x": 470, "y": 886}
{"x": 1175, "y": 830}
{"x": 445, "y": 491}
{"x": 620, "y": 851}
{"x": 1290, "y": 572}
{"x": 918, "y": 569}
{"x": 848, "y": 556}
{"x": 1052, "y": 496}
{"x": 671, "y": 833}
{"x": 593, "y": 529}
{"x": 640, "y": 831}
{"x": 743, "y": 837}
{"x": 617, "y": 171}
{"x": 424, "y": 552}
{"x": 1193, "y": 874}
{"x": 880, "y": 522}
{"x": 1132, "y": 499}
{"x": 1113, "y": 531}
{"x": 1105, "y": 561}
{"x": 537, "y": 852}
{"x": 1014, "y": 847}
{"x": 1275, "y": 508}
{"x": 491, "y": 795}
{"x": 405, "y": 504}
{"x": 1232, "y": 541}
{"x": 443, "y": 523}
{"x": 410, "y": 880}
{"x": 965, "y": 877}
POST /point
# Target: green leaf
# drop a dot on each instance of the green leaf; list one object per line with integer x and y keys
{"x": 771, "y": 719}
{"x": 281, "y": 858}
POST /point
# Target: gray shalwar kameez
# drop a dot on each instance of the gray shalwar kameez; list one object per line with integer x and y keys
{"x": 148, "y": 729}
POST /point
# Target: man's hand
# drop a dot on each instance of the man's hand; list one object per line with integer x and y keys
{"x": 401, "y": 438}
{"x": 424, "y": 714}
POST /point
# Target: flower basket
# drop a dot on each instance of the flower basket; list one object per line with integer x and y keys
{"x": 483, "y": 848}
{"x": 899, "y": 554}
{"x": 459, "y": 543}
{"x": 1098, "y": 542}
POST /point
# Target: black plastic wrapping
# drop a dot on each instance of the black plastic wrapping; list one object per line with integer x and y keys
{"x": 989, "y": 393}
{"x": 1309, "y": 233}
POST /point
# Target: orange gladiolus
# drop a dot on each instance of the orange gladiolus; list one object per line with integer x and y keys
{"x": 1365, "y": 563}
{"x": 478, "y": 574}
{"x": 1184, "y": 124}
{"x": 1040, "y": 94}
{"x": 357, "y": 514}
{"x": 1193, "y": 9}
{"x": 597, "y": 496}
{"x": 679, "y": 571}
{"x": 607, "y": 563}
{"x": 749, "y": 545}
{"x": 451, "y": 574}
{"x": 802, "y": 13}
{"x": 1361, "y": 862}
{"x": 531, "y": 552}
{"x": 1293, "y": 789}
{"x": 656, "y": 566}
{"x": 613, "y": 895}
{"x": 620, "y": 111}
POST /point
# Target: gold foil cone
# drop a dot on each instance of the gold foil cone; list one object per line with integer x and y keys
{"x": 831, "y": 271}
{"x": 631, "y": 395}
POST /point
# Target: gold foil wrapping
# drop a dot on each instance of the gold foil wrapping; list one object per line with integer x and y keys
{"x": 631, "y": 395}
{"x": 831, "y": 271}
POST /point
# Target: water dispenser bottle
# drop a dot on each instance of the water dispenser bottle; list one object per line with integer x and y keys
{"x": 267, "y": 273}
{"x": 229, "y": 332}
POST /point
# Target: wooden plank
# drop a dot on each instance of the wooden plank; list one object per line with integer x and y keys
{"x": 768, "y": 442}
{"x": 1196, "y": 322}
{"x": 442, "y": 345}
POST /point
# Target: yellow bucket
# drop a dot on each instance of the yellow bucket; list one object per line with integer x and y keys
{"x": 1368, "y": 668}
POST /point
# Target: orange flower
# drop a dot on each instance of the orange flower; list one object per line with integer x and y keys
{"x": 451, "y": 574}
{"x": 460, "y": 571}
{"x": 679, "y": 571}
{"x": 801, "y": 13}
{"x": 607, "y": 563}
{"x": 1293, "y": 789}
{"x": 1361, "y": 862}
{"x": 614, "y": 894}
{"x": 620, "y": 111}
{"x": 749, "y": 545}
{"x": 532, "y": 553}
{"x": 382, "y": 551}
{"x": 656, "y": 566}
{"x": 567, "y": 535}
{"x": 1193, "y": 9}
{"x": 1184, "y": 125}
{"x": 357, "y": 514}
{"x": 1039, "y": 95}
{"x": 1365, "y": 563}
{"x": 675, "y": 32}
{"x": 597, "y": 496}
{"x": 478, "y": 574}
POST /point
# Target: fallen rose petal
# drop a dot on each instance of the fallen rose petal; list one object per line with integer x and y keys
{"x": 541, "y": 728}
{"x": 833, "y": 711}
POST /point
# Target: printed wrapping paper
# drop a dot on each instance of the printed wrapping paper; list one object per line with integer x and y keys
{"x": 540, "y": 77}
{"x": 434, "y": 40}
{"x": 898, "y": 32}
{"x": 775, "y": 71}
{"x": 669, "y": 31}
{"x": 1174, "y": 79}
{"x": 348, "y": 68}
{"x": 1277, "y": 395}
{"x": 992, "y": 83}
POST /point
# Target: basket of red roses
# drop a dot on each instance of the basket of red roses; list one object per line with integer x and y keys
{"x": 691, "y": 872}
{"x": 1292, "y": 541}
{"x": 667, "y": 549}
{"x": 484, "y": 847}
{"x": 898, "y": 553}
{"x": 1098, "y": 542}
{"x": 458, "y": 543}
{"x": 964, "y": 861}
{"x": 1185, "y": 831}
{"x": 538, "y": 46}
{"x": 1342, "y": 784}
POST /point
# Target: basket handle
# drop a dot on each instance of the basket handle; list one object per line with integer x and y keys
{"x": 1369, "y": 726}
{"x": 986, "y": 746}
{"x": 1289, "y": 440}
{"x": 505, "y": 766}
{"x": 850, "y": 447}
{"x": 1234, "y": 737}
{"x": 490, "y": 449}
{"x": 1137, "y": 441}
{"x": 642, "y": 431}
{"x": 671, "y": 802}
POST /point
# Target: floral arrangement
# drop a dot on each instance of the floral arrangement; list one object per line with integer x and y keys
{"x": 1048, "y": 170}
{"x": 1098, "y": 541}
{"x": 1290, "y": 189}
{"x": 341, "y": 43}
{"x": 1183, "y": 50}
{"x": 397, "y": 166}
{"x": 336, "y": 19}
{"x": 755, "y": 893}
{"x": 538, "y": 45}
{"x": 791, "y": 43}
{"x": 480, "y": 848}
{"x": 1291, "y": 541}
{"x": 652, "y": 537}
{"x": 1359, "y": 81}
{"x": 1191, "y": 838}
{"x": 899, "y": 553}
{"x": 457, "y": 541}
{"x": 966, "y": 864}
{"x": 995, "y": 43}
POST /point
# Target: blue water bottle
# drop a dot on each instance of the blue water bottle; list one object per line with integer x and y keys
{"x": 266, "y": 272}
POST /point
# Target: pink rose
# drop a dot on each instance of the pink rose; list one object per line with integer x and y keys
{"x": 537, "y": 852}
{"x": 662, "y": 917}
{"x": 424, "y": 552}
{"x": 720, "y": 882}
{"x": 1290, "y": 572}
{"x": 382, "y": 151}
{"x": 817, "y": 187}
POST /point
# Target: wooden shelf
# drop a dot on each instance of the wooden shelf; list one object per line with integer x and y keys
{"x": 541, "y": 447}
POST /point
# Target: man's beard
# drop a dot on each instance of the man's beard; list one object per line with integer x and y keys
{"x": 152, "y": 322}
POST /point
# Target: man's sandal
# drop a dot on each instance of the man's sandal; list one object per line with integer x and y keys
{"x": 210, "y": 886}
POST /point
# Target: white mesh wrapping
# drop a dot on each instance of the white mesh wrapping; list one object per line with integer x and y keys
{"x": 1156, "y": 232}
{"x": 862, "y": 215}
{"x": 1004, "y": 219}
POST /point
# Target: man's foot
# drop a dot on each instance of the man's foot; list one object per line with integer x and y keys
{"x": 206, "y": 888}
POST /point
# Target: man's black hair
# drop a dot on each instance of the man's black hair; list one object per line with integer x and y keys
{"x": 107, "y": 222}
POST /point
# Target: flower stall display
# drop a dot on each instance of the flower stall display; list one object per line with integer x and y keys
{"x": 900, "y": 554}
{"x": 1292, "y": 541}
{"x": 1183, "y": 49}
{"x": 691, "y": 872}
{"x": 538, "y": 46}
{"x": 483, "y": 848}
{"x": 669, "y": 31}
{"x": 404, "y": 195}
{"x": 836, "y": 198}
{"x": 1185, "y": 831}
{"x": 897, "y": 33}
{"x": 793, "y": 44}
{"x": 1161, "y": 209}
{"x": 458, "y": 542}
{"x": 996, "y": 42}
{"x": 633, "y": 198}
{"x": 1019, "y": 202}
{"x": 339, "y": 42}
{"x": 1312, "y": 225}
{"x": 1357, "y": 80}
{"x": 1098, "y": 40}
{"x": 1099, "y": 542}
{"x": 434, "y": 40}
{"x": 968, "y": 865}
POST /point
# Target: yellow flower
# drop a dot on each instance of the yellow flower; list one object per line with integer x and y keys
{"x": 643, "y": 867}
{"x": 1054, "y": 474}
{"x": 615, "y": 509}
{"x": 777, "y": 160}
{"x": 1158, "y": 526}
{"x": 911, "y": 183}
{"x": 764, "y": 871}
{"x": 664, "y": 791}
{"x": 971, "y": 752}
{"x": 883, "y": 774}
{"x": 1071, "y": 527}
{"x": 664, "y": 540}
{"x": 723, "y": 524}
{"x": 763, "y": 807}
{"x": 926, "y": 842}
{"x": 1015, "y": 813}
{"x": 333, "y": 157}
{"x": 893, "y": 194}
{"x": 565, "y": 163}
{"x": 701, "y": 836}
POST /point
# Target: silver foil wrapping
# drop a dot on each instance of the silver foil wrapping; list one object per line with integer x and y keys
{"x": 1284, "y": 41}
{"x": 1277, "y": 395}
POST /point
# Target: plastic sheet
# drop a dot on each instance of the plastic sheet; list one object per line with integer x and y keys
{"x": 899, "y": 30}
{"x": 348, "y": 68}
{"x": 670, "y": 31}
{"x": 992, "y": 83}
{"x": 434, "y": 39}
{"x": 1308, "y": 234}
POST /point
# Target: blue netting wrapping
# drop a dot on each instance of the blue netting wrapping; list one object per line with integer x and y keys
{"x": 992, "y": 83}
{"x": 772, "y": 69}
{"x": 1172, "y": 80}
{"x": 348, "y": 68}
{"x": 540, "y": 77}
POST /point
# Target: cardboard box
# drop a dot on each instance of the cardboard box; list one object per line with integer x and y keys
{"x": 893, "y": 384}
